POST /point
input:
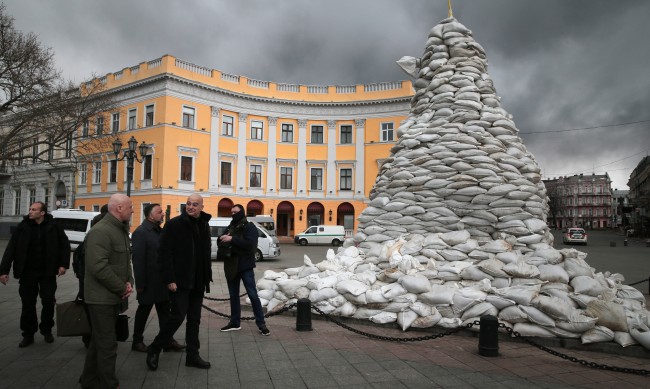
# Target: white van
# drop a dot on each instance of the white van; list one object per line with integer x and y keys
{"x": 76, "y": 224}
{"x": 265, "y": 221}
{"x": 267, "y": 246}
{"x": 334, "y": 235}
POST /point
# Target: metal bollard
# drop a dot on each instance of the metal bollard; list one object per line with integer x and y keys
{"x": 303, "y": 316}
{"x": 625, "y": 242}
{"x": 488, "y": 340}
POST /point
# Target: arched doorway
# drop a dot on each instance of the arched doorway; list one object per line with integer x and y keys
{"x": 315, "y": 214}
{"x": 284, "y": 220}
{"x": 345, "y": 218}
{"x": 60, "y": 195}
{"x": 254, "y": 208}
{"x": 223, "y": 209}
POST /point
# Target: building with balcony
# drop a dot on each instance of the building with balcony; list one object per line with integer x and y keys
{"x": 302, "y": 154}
{"x": 580, "y": 201}
{"x": 639, "y": 184}
{"x": 620, "y": 208}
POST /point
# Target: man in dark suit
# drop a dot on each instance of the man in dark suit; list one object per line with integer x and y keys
{"x": 184, "y": 257}
{"x": 149, "y": 282}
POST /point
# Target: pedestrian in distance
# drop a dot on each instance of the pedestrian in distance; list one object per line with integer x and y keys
{"x": 184, "y": 256}
{"x": 39, "y": 251}
{"x": 149, "y": 283}
{"x": 242, "y": 237}
{"x": 107, "y": 287}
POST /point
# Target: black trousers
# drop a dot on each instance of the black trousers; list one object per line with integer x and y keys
{"x": 29, "y": 289}
{"x": 142, "y": 314}
{"x": 101, "y": 356}
{"x": 185, "y": 303}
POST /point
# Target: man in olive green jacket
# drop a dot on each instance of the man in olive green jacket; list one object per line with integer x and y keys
{"x": 108, "y": 285}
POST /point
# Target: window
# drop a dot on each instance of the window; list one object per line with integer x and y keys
{"x": 286, "y": 178}
{"x": 21, "y": 152}
{"x": 186, "y": 168}
{"x": 148, "y": 115}
{"x": 115, "y": 124}
{"x": 346, "y": 179}
{"x": 317, "y": 179}
{"x": 227, "y": 126}
{"x": 50, "y": 149}
{"x": 96, "y": 208}
{"x": 83, "y": 171}
{"x": 387, "y": 132}
{"x": 188, "y": 117}
{"x": 17, "y": 202}
{"x": 85, "y": 128}
{"x": 226, "y": 173}
{"x": 35, "y": 151}
{"x": 100, "y": 126}
{"x": 287, "y": 133}
{"x": 132, "y": 115}
{"x": 2, "y": 202}
{"x": 112, "y": 170}
{"x": 82, "y": 207}
{"x": 256, "y": 176}
{"x": 147, "y": 167}
{"x": 257, "y": 130}
{"x": 32, "y": 196}
{"x": 316, "y": 134}
{"x": 346, "y": 134}
{"x": 68, "y": 146}
{"x": 46, "y": 196}
{"x": 97, "y": 172}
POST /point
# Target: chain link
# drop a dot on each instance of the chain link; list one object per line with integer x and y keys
{"x": 221, "y": 299}
{"x": 267, "y": 315}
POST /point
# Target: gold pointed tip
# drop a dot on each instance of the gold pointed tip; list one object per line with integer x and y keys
{"x": 450, "y": 12}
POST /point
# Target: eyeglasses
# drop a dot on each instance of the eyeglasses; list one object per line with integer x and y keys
{"x": 191, "y": 204}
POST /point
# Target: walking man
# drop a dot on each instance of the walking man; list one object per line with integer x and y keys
{"x": 184, "y": 257}
{"x": 39, "y": 250}
{"x": 149, "y": 282}
{"x": 242, "y": 236}
{"x": 108, "y": 285}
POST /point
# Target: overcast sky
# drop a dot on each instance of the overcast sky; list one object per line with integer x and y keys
{"x": 557, "y": 64}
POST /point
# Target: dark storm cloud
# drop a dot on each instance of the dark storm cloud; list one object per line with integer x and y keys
{"x": 557, "y": 64}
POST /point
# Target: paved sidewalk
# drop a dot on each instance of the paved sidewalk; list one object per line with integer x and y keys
{"x": 327, "y": 357}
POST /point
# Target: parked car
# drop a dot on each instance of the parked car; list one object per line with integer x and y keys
{"x": 268, "y": 246}
{"x": 574, "y": 235}
{"x": 334, "y": 235}
{"x": 265, "y": 221}
{"x": 75, "y": 223}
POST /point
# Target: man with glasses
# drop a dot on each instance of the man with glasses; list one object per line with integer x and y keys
{"x": 242, "y": 236}
{"x": 184, "y": 258}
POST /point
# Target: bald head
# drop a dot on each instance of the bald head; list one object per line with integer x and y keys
{"x": 120, "y": 206}
{"x": 194, "y": 205}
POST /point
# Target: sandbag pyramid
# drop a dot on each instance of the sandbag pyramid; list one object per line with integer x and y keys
{"x": 456, "y": 224}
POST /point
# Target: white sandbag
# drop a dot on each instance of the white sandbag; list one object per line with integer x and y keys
{"x": 358, "y": 300}
{"x": 406, "y": 318}
{"x": 263, "y": 283}
{"x": 474, "y": 273}
{"x": 455, "y": 237}
{"x": 301, "y": 293}
{"x": 415, "y": 283}
{"x": 452, "y": 322}
{"x": 325, "y": 306}
{"x": 641, "y": 335}
{"x": 337, "y": 301}
{"x": 597, "y": 334}
{"x": 393, "y": 290}
{"x": 390, "y": 275}
{"x": 329, "y": 264}
{"x": 562, "y": 333}
{"x": 293, "y": 271}
{"x": 513, "y": 314}
{"x": 587, "y": 285}
{"x": 552, "y": 255}
{"x": 577, "y": 322}
{"x": 271, "y": 275}
{"x": 493, "y": 267}
{"x": 427, "y": 321}
{"x": 460, "y": 303}
{"x": 288, "y": 287}
{"x": 521, "y": 269}
{"x": 274, "y": 305}
{"x": 384, "y": 317}
{"x": 318, "y": 283}
{"x": 365, "y": 313}
{"x": 577, "y": 267}
{"x": 421, "y": 308}
{"x": 307, "y": 270}
{"x": 478, "y": 310}
{"x": 322, "y": 294}
{"x": 630, "y": 292}
{"x": 624, "y": 339}
{"x": 496, "y": 246}
{"x": 609, "y": 314}
{"x": 553, "y": 273}
{"x": 266, "y": 294}
{"x": 555, "y": 307}
{"x": 352, "y": 287}
{"x": 499, "y": 302}
{"x": 375, "y": 296}
{"x": 501, "y": 282}
{"x": 582, "y": 299}
{"x": 532, "y": 330}
{"x": 368, "y": 277}
{"x": 521, "y": 294}
{"x": 538, "y": 317}
{"x": 438, "y": 295}
{"x": 508, "y": 256}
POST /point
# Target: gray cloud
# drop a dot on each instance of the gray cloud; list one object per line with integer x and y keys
{"x": 557, "y": 64}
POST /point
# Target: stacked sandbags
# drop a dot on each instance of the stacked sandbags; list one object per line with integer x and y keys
{"x": 456, "y": 224}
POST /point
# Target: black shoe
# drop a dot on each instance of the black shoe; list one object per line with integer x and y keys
{"x": 197, "y": 362}
{"x": 230, "y": 327}
{"x": 174, "y": 346}
{"x": 264, "y": 331}
{"x": 152, "y": 360}
{"x": 25, "y": 342}
{"x": 86, "y": 340}
{"x": 48, "y": 338}
{"x": 139, "y": 346}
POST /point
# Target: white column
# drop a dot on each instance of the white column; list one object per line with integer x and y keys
{"x": 302, "y": 157}
{"x": 215, "y": 132}
{"x": 241, "y": 154}
{"x": 331, "y": 158}
{"x": 271, "y": 176}
{"x": 360, "y": 168}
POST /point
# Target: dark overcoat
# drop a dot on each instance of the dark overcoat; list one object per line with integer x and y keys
{"x": 146, "y": 269}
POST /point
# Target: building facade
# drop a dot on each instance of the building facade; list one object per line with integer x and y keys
{"x": 302, "y": 154}
{"x": 639, "y": 195}
{"x": 620, "y": 208}
{"x": 580, "y": 201}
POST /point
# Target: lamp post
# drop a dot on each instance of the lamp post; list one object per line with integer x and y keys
{"x": 130, "y": 155}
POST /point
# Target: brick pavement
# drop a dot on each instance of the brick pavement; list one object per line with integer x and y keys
{"x": 327, "y": 357}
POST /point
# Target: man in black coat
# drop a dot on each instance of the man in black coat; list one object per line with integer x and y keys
{"x": 242, "y": 236}
{"x": 184, "y": 258}
{"x": 39, "y": 250}
{"x": 149, "y": 282}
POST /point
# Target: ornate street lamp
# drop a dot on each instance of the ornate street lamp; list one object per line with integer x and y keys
{"x": 130, "y": 155}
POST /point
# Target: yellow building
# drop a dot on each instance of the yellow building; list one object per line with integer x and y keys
{"x": 303, "y": 154}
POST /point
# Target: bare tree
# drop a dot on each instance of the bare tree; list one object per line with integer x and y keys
{"x": 42, "y": 115}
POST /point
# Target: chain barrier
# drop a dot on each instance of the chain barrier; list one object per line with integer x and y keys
{"x": 267, "y": 315}
{"x": 221, "y": 299}
{"x": 583, "y": 362}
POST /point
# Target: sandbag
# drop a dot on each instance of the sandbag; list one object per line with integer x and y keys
{"x": 406, "y": 318}
{"x": 609, "y": 314}
{"x": 384, "y": 317}
{"x": 415, "y": 283}
{"x": 587, "y": 285}
{"x": 529, "y": 329}
{"x": 439, "y": 294}
{"x": 597, "y": 334}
